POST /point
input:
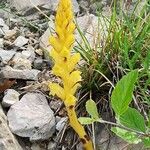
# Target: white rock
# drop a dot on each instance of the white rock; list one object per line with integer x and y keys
{"x": 29, "y": 54}
{"x": 11, "y": 97}
{"x": 32, "y": 117}
{"x": 36, "y": 146}
{"x": 49, "y": 4}
{"x": 20, "y": 41}
{"x": 23, "y": 60}
{"x": 39, "y": 51}
{"x": 3, "y": 27}
{"x": 79, "y": 146}
{"x": 55, "y": 104}
{"x": 58, "y": 118}
{"x": 7, "y": 139}
{"x": 44, "y": 40}
{"x": 19, "y": 5}
{"x": 2, "y": 22}
{"x": 1, "y": 42}
{"x": 91, "y": 27}
{"x": 6, "y": 55}
{"x": 60, "y": 125}
{"x": 10, "y": 33}
{"x": 21, "y": 63}
{"x": 53, "y": 5}
{"x": 51, "y": 145}
{"x": 26, "y": 74}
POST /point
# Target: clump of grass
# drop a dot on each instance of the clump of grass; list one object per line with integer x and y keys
{"x": 125, "y": 48}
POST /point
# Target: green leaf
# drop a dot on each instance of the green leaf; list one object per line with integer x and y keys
{"x": 129, "y": 137}
{"x": 133, "y": 119}
{"x": 146, "y": 142}
{"x": 92, "y": 109}
{"x": 122, "y": 94}
{"x": 85, "y": 120}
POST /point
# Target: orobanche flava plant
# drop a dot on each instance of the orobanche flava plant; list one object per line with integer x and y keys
{"x": 64, "y": 66}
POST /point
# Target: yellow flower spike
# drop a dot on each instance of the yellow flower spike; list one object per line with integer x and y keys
{"x": 69, "y": 41}
{"x": 71, "y": 81}
{"x": 74, "y": 78}
{"x": 60, "y": 33}
{"x": 70, "y": 100}
{"x": 70, "y": 29}
{"x": 58, "y": 70}
{"x": 55, "y": 55}
{"x": 56, "y": 89}
{"x": 55, "y": 43}
{"x": 64, "y": 67}
{"x": 62, "y": 57}
{"x": 74, "y": 88}
{"x": 65, "y": 54}
{"x": 73, "y": 61}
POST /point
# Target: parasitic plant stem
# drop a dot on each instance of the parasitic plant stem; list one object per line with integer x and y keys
{"x": 64, "y": 67}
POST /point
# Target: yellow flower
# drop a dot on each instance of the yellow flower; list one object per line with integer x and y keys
{"x": 64, "y": 66}
{"x": 56, "y": 89}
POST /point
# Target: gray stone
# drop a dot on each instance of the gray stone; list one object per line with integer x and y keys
{"x": 6, "y": 55}
{"x": 1, "y": 42}
{"x": 48, "y": 4}
{"x": 10, "y": 33}
{"x": 11, "y": 97}
{"x": 84, "y": 4}
{"x": 55, "y": 104}
{"x": 7, "y": 139}
{"x": 103, "y": 140}
{"x": 29, "y": 54}
{"x": 51, "y": 145}
{"x": 58, "y": 118}
{"x": 3, "y": 27}
{"x": 79, "y": 146}
{"x": 22, "y": 64}
{"x": 26, "y": 74}
{"x": 36, "y": 146}
{"x": 20, "y": 41}
{"x": 54, "y": 4}
{"x": 32, "y": 117}
{"x": 19, "y": 5}
{"x": 60, "y": 125}
{"x": 38, "y": 63}
{"x": 44, "y": 39}
{"x": 22, "y": 61}
{"x": 91, "y": 27}
{"x": 39, "y": 51}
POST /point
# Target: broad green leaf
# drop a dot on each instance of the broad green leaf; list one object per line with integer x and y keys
{"x": 128, "y": 136}
{"x": 146, "y": 142}
{"x": 133, "y": 119}
{"x": 122, "y": 94}
{"x": 92, "y": 109}
{"x": 85, "y": 120}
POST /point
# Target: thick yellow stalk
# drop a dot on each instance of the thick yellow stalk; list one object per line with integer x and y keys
{"x": 79, "y": 129}
{"x": 65, "y": 67}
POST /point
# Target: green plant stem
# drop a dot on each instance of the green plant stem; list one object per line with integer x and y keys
{"x": 93, "y": 129}
{"x": 120, "y": 126}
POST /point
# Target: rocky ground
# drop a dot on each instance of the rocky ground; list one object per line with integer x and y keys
{"x": 29, "y": 118}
